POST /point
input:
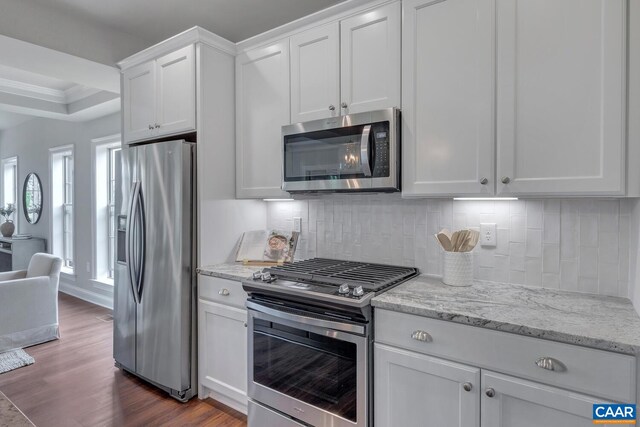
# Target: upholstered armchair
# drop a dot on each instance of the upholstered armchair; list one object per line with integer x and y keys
{"x": 29, "y": 303}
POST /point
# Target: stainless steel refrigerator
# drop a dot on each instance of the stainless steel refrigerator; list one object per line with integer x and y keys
{"x": 154, "y": 311}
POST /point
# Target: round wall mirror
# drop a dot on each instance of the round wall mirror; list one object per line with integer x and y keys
{"x": 32, "y": 198}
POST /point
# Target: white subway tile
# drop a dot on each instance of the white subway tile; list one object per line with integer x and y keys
{"x": 534, "y": 243}
{"x": 569, "y": 275}
{"x": 551, "y": 258}
{"x": 588, "y": 285}
{"x": 588, "y": 262}
{"x": 588, "y": 230}
{"x": 551, "y": 230}
{"x": 533, "y": 272}
{"x": 534, "y": 213}
{"x": 551, "y": 280}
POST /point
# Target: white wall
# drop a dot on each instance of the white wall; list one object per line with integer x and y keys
{"x": 49, "y": 27}
{"x": 577, "y": 245}
{"x": 31, "y": 141}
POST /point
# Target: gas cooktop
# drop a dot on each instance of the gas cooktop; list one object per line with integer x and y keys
{"x": 322, "y": 279}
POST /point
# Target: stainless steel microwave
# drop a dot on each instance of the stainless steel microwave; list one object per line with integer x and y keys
{"x": 356, "y": 152}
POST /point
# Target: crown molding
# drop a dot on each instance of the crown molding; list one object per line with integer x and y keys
{"x": 185, "y": 38}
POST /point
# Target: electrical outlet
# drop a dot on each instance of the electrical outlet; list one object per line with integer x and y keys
{"x": 297, "y": 224}
{"x": 488, "y": 234}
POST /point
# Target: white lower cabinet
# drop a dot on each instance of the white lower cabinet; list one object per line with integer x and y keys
{"x": 434, "y": 373}
{"x": 514, "y": 402}
{"x": 222, "y": 348}
{"x": 415, "y": 390}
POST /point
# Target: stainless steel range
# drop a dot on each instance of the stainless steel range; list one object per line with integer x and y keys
{"x": 310, "y": 341}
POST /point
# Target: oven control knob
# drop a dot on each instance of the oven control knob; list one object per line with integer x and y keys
{"x": 266, "y": 277}
{"x": 358, "y": 291}
{"x": 257, "y": 275}
{"x": 343, "y": 289}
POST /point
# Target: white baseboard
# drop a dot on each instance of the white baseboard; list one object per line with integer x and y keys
{"x": 87, "y": 295}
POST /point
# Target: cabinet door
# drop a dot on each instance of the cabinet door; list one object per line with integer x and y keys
{"x": 262, "y": 108}
{"x": 415, "y": 390}
{"x": 176, "y": 106}
{"x": 139, "y": 101}
{"x": 561, "y": 78}
{"x": 222, "y": 354}
{"x": 315, "y": 74}
{"x": 521, "y": 403}
{"x": 448, "y": 136}
{"x": 370, "y": 60}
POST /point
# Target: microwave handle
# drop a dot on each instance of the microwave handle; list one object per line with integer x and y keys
{"x": 364, "y": 151}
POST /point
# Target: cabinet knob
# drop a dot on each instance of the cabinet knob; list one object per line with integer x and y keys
{"x": 157, "y": 126}
{"x": 551, "y": 364}
{"x": 150, "y": 127}
{"x": 245, "y": 324}
{"x": 224, "y": 292}
{"x": 467, "y": 386}
{"x": 421, "y": 336}
{"x": 505, "y": 180}
{"x": 344, "y": 104}
{"x": 332, "y": 107}
{"x": 484, "y": 181}
{"x": 490, "y": 392}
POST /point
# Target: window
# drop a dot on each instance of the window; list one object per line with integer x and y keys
{"x": 10, "y": 184}
{"x": 61, "y": 165}
{"x": 106, "y": 161}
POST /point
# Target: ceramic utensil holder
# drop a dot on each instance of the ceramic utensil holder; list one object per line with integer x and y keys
{"x": 458, "y": 269}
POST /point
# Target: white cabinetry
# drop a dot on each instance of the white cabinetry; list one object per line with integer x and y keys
{"x": 262, "y": 108}
{"x": 560, "y": 72}
{"x": 561, "y": 77}
{"x": 448, "y": 138}
{"x": 222, "y": 341}
{"x": 481, "y": 377}
{"x": 159, "y": 96}
{"x": 411, "y": 388}
{"x": 315, "y": 74}
{"x": 347, "y": 67}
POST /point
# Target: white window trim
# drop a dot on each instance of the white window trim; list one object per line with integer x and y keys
{"x": 66, "y": 272}
{"x": 16, "y": 214}
{"x": 110, "y": 141}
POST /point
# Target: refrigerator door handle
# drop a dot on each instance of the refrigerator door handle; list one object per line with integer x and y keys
{"x": 143, "y": 242}
{"x": 130, "y": 247}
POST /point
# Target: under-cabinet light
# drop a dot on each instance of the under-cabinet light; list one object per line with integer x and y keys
{"x": 278, "y": 200}
{"x": 485, "y": 198}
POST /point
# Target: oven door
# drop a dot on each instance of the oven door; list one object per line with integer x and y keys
{"x": 352, "y": 153}
{"x": 303, "y": 367}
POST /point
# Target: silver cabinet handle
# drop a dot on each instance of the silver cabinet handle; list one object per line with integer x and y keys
{"x": 490, "y": 392}
{"x": 150, "y": 127}
{"x": 551, "y": 364}
{"x": 505, "y": 180}
{"x": 157, "y": 126}
{"x": 467, "y": 386}
{"x": 484, "y": 181}
{"x": 344, "y": 104}
{"x": 421, "y": 336}
{"x": 332, "y": 107}
{"x": 224, "y": 292}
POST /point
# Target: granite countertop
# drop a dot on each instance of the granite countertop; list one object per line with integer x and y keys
{"x": 607, "y": 323}
{"x": 230, "y": 270}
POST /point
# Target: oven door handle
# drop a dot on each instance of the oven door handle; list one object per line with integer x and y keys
{"x": 311, "y": 321}
{"x": 364, "y": 151}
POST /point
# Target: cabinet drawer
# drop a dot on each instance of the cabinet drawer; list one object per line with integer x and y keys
{"x": 228, "y": 292}
{"x": 595, "y": 372}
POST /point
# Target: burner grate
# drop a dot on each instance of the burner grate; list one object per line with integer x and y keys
{"x": 336, "y": 272}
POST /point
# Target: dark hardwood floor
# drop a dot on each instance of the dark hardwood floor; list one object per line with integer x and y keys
{"x": 74, "y": 383}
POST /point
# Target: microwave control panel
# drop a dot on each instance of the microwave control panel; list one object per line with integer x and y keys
{"x": 380, "y": 132}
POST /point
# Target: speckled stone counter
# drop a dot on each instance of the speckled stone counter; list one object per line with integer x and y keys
{"x": 607, "y": 323}
{"x": 232, "y": 271}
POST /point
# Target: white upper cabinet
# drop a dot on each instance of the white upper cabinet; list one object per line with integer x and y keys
{"x": 447, "y": 97}
{"x": 262, "y": 108}
{"x": 370, "y": 60}
{"x": 139, "y": 101}
{"x": 315, "y": 74}
{"x": 176, "y": 107}
{"x": 561, "y": 104}
{"x": 160, "y": 96}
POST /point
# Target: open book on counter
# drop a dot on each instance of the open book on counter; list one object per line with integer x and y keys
{"x": 267, "y": 246}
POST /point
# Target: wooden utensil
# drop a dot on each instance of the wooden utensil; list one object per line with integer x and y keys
{"x": 455, "y": 237}
{"x": 444, "y": 237}
{"x": 472, "y": 240}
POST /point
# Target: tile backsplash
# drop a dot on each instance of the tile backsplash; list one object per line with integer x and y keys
{"x": 575, "y": 244}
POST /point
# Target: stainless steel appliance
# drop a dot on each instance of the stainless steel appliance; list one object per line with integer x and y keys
{"x": 356, "y": 152}
{"x": 154, "y": 300}
{"x": 310, "y": 341}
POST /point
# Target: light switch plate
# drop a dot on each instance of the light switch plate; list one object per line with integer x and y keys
{"x": 297, "y": 224}
{"x": 488, "y": 234}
